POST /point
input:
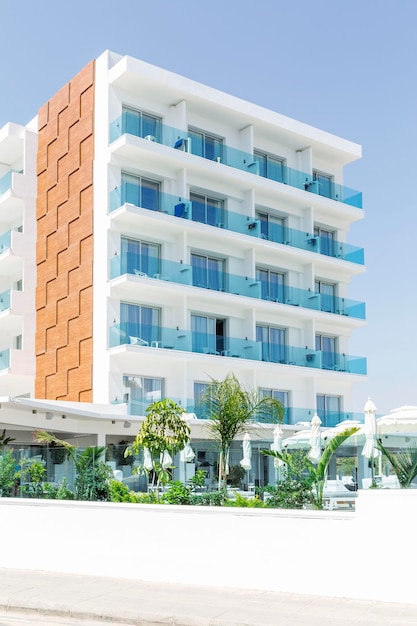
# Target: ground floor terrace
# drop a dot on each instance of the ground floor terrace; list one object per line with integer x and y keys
{"x": 85, "y": 425}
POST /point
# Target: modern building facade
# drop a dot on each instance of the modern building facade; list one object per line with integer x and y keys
{"x": 179, "y": 234}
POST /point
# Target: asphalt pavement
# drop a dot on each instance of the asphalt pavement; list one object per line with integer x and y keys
{"x": 52, "y": 599}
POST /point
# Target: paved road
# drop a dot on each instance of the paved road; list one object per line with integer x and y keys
{"x": 54, "y": 598}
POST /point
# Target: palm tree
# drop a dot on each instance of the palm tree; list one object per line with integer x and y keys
{"x": 163, "y": 429}
{"x": 317, "y": 473}
{"x": 404, "y": 463}
{"x": 229, "y": 409}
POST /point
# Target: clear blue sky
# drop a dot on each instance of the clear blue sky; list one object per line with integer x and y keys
{"x": 346, "y": 66}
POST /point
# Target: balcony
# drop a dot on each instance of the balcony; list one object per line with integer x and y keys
{"x": 232, "y": 157}
{"x": 183, "y": 274}
{"x": 152, "y": 336}
{"x": 5, "y": 241}
{"x": 235, "y": 222}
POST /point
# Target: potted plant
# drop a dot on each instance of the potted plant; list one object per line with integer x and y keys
{"x": 58, "y": 453}
{"x": 235, "y": 476}
{"x": 119, "y": 454}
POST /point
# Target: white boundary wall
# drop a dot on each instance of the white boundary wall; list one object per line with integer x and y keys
{"x": 366, "y": 554}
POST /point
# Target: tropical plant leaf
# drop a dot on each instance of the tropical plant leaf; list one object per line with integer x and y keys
{"x": 318, "y": 473}
{"x": 5, "y": 440}
{"x": 404, "y": 463}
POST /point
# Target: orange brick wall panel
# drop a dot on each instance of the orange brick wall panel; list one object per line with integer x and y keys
{"x": 86, "y": 200}
{"x": 68, "y": 308}
{"x": 56, "y": 242}
{"x": 65, "y": 242}
{"x": 67, "y": 212}
{"x": 41, "y": 161}
{"x": 85, "y": 396}
{"x": 67, "y": 118}
{"x": 86, "y": 301}
{"x": 76, "y": 378}
{"x": 43, "y": 114}
{"x": 40, "y": 343}
{"x": 55, "y": 196}
{"x": 58, "y": 103}
{"x": 68, "y": 259}
{"x": 78, "y": 228}
{"x": 87, "y": 151}
{"x": 56, "y": 289}
{"x": 78, "y": 180}
{"x": 41, "y": 376}
{"x": 83, "y": 80}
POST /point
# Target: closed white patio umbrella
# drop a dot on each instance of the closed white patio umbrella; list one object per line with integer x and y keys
{"x": 370, "y": 428}
{"x": 147, "y": 460}
{"x": 277, "y": 445}
{"x": 370, "y": 451}
{"x": 315, "y": 440}
{"x": 166, "y": 459}
{"x": 246, "y": 462}
{"x": 187, "y": 454}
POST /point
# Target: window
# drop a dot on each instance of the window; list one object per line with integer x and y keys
{"x": 327, "y": 293}
{"x": 141, "y": 124}
{"x": 206, "y": 145}
{"x": 140, "y": 192}
{"x": 273, "y": 343}
{"x": 207, "y": 210}
{"x": 272, "y": 284}
{"x": 325, "y": 182}
{"x": 140, "y": 324}
{"x": 19, "y": 342}
{"x": 270, "y": 166}
{"x": 19, "y": 285}
{"x": 208, "y": 334}
{"x": 142, "y": 392}
{"x": 272, "y": 227}
{"x": 281, "y": 396}
{"x": 328, "y": 409}
{"x": 208, "y": 272}
{"x": 327, "y": 346}
{"x": 140, "y": 257}
{"x": 199, "y": 391}
{"x": 327, "y": 240}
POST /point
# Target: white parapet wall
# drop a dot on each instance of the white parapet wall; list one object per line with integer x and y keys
{"x": 363, "y": 554}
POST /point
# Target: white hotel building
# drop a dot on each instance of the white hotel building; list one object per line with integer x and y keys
{"x": 156, "y": 233}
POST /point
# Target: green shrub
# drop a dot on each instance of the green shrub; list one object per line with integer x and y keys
{"x": 8, "y": 474}
{"x": 119, "y": 492}
{"x": 247, "y": 502}
{"x": 213, "y": 498}
{"x": 290, "y": 493}
{"x": 32, "y": 475}
{"x": 146, "y": 498}
{"x": 177, "y": 493}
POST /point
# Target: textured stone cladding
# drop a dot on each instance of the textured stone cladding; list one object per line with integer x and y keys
{"x": 64, "y": 249}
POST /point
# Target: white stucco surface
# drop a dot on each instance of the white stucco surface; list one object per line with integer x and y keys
{"x": 364, "y": 554}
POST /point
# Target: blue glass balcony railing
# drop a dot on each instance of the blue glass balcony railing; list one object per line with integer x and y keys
{"x": 5, "y": 300}
{"x": 215, "y": 216}
{"x": 181, "y": 140}
{"x": 180, "y": 273}
{"x": 5, "y": 241}
{"x": 146, "y": 335}
{"x": 292, "y": 415}
{"x": 6, "y": 182}
{"x": 4, "y": 359}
